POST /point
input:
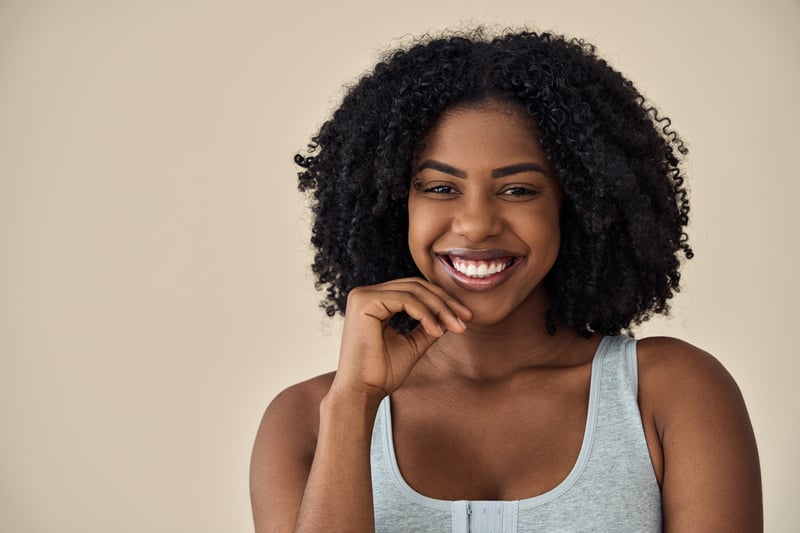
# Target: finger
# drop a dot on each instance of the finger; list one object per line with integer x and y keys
{"x": 387, "y": 303}
{"x": 448, "y": 309}
{"x": 381, "y": 303}
{"x": 443, "y": 315}
{"x": 458, "y": 307}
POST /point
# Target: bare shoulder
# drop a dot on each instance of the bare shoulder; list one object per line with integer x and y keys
{"x": 291, "y": 420}
{"x": 669, "y": 364}
{"x": 711, "y": 475}
{"x": 283, "y": 452}
{"x": 679, "y": 382}
{"x": 297, "y": 407}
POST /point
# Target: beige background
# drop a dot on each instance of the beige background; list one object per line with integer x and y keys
{"x": 154, "y": 284}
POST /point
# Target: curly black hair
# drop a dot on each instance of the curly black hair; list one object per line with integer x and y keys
{"x": 618, "y": 162}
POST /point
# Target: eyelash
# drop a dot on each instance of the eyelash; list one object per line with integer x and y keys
{"x": 448, "y": 190}
{"x": 522, "y": 191}
{"x": 437, "y": 189}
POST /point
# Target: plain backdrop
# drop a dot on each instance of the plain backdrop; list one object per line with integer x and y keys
{"x": 155, "y": 292}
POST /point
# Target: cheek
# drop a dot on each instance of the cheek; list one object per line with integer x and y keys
{"x": 544, "y": 236}
{"x": 416, "y": 235}
{"x": 425, "y": 226}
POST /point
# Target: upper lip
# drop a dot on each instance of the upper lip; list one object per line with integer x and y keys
{"x": 477, "y": 255}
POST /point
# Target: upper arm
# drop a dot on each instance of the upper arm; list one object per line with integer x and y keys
{"x": 282, "y": 456}
{"x": 711, "y": 476}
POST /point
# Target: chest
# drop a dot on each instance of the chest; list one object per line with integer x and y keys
{"x": 549, "y": 460}
{"x": 492, "y": 449}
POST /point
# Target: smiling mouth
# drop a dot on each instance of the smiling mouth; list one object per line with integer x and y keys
{"x": 478, "y": 268}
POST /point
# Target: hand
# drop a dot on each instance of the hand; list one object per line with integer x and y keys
{"x": 375, "y": 359}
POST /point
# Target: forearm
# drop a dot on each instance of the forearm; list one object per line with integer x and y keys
{"x": 338, "y": 494}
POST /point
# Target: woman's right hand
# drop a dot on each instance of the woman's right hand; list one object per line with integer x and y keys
{"x": 375, "y": 359}
{"x": 310, "y": 469}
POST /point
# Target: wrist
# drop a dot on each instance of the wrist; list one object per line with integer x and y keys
{"x": 343, "y": 399}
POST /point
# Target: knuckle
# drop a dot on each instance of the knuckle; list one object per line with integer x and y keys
{"x": 355, "y": 295}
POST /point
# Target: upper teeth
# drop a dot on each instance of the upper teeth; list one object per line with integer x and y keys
{"x": 479, "y": 269}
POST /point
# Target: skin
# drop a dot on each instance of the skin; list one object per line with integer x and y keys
{"x": 479, "y": 357}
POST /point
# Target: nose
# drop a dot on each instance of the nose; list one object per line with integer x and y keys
{"x": 476, "y": 219}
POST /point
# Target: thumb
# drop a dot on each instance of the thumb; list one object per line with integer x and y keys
{"x": 420, "y": 340}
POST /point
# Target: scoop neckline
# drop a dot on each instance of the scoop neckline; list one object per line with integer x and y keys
{"x": 540, "y": 499}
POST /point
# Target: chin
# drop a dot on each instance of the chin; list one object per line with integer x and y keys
{"x": 491, "y": 312}
{"x": 488, "y": 315}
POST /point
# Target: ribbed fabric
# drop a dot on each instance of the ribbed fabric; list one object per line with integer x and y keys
{"x": 611, "y": 487}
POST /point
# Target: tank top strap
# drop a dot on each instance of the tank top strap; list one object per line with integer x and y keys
{"x": 619, "y": 363}
{"x": 617, "y": 377}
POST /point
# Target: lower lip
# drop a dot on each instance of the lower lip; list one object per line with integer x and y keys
{"x": 478, "y": 284}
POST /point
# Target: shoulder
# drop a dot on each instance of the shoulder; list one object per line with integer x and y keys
{"x": 284, "y": 450}
{"x": 308, "y": 391}
{"x": 666, "y": 361}
{"x": 666, "y": 351}
{"x": 711, "y": 475}
{"x": 675, "y": 376}
{"x": 289, "y": 427}
{"x": 680, "y": 384}
{"x": 295, "y": 410}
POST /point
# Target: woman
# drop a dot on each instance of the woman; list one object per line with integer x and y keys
{"x": 491, "y": 215}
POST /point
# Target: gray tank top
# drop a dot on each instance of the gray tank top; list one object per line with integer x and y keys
{"x": 611, "y": 488}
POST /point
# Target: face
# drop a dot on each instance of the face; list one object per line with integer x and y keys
{"x": 483, "y": 211}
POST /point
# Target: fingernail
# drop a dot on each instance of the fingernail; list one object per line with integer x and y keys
{"x": 461, "y": 322}
{"x": 441, "y": 331}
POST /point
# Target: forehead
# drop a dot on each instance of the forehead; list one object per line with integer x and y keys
{"x": 489, "y": 132}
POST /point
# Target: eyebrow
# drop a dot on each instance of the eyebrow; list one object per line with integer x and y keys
{"x": 496, "y": 173}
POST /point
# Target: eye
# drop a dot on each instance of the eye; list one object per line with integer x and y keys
{"x": 440, "y": 189}
{"x": 518, "y": 191}
{"x": 436, "y": 189}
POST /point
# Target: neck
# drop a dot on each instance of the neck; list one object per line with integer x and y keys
{"x": 496, "y": 352}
